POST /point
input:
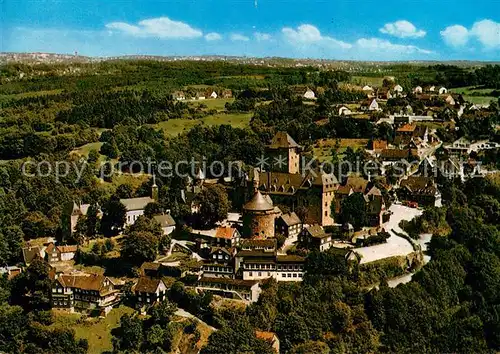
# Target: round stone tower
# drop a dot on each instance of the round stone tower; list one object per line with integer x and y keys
{"x": 258, "y": 217}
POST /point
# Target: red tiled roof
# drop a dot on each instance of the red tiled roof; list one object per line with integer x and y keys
{"x": 225, "y": 232}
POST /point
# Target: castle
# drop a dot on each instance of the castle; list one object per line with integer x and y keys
{"x": 310, "y": 192}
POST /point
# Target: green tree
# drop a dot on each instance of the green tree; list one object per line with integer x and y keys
{"x": 139, "y": 247}
{"x": 113, "y": 218}
{"x": 353, "y": 210}
{"x": 214, "y": 205}
{"x": 129, "y": 336}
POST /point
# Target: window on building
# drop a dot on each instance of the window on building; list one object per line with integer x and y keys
{"x": 260, "y": 274}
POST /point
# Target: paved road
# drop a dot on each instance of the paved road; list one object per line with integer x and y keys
{"x": 395, "y": 245}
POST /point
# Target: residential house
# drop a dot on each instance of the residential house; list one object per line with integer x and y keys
{"x": 11, "y": 271}
{"x": 149, "y": 291}
{"x": 315, "y": 237}
{"x": 258, "y": 265}
{"x": 89, "y": 292}
{"x": 391, "y": 156}
{"x": 309, "y": 94}
{"x": 398, "y": 90}
{"x": 377, "y": 145}
{"x": 370, "y": 105}
{"x": 422, "y": 190}
{"x": 369, "y": 91}
{"x": 384, "y": 93}
{"x": 178, "y": 96}
{"x": 227, "y": 93}
{"x": 269, "y": 337}
{"x": 246, "y": 290}
{"x": 79, "y": 210}
{"x": 32, "y": 252}
{"x": 135, "y": 208}
{"x": 60, "y": 253}
{"x": 166, "y": 222}
{"x": 211, "y": 94}
{"x": 443, "y": 90}
{"x": 200, "y": 96}
{"x": 289, "y": 225}
{"x": 375, "y": 207}
{"x": 344, "y": 111}
{"x": 222, "y": 236}
{"x": 450, "y": 100}
{"x": 418, "y": 90}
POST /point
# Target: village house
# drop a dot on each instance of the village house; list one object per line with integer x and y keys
{"x": 392, "y": 156}
{"x": 369, "y": 91}
{"x": 11, "y": 271}
{"x": 289, "y": 225}
{"x": 200, "y": 95}
{"x": 315, "y": 237}
{"x": 246, "y": 290}
{"x": 221, "y": 236}
{"x": 211, "y": 94}
{"x": 309, "y": 94}
{"x": 84, "y": 293}
{"x": 149, "y": 291}
{"x": 370, "y": 105}
{"x": 398, "y": 90}
{"x": 31, "y": 253}
{"x": 443, "y": 90}
{"x": 178, "y": 96}
{"x": 78, "y": 211}
{"x": 344, "y": 111}
{"x": 258, "y": 265}
{"x": 60, "y": 253}
{"x": 418, "y": 89}
{"x": 166, "y": 222}
{"x": 227, "y": 93}
{"x": 419, "y": 189}
{"x": 384, "y": 93}
{"x": 377, "y": 145}
{"x": 267, "y": 245}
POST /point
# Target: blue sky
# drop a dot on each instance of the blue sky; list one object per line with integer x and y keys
{"x": 332, "y": 29}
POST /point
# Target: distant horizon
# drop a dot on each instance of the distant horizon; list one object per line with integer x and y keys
{"x": 493, "y": 62}
{"x": 394, "y": 30}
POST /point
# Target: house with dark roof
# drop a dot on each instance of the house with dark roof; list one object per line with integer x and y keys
{"x": 149, "y": 291}
{"x": 419, "y": 189}
{"x": 60, "y": 253}
{"x": 84, "y": 293}
{"x": 315, "y": 237}
{"x": 289, "y": 225}
{"x": 32, "y": 252}
{"x": 166, "y": 222}
{"x": 221, "y": 236}
{"x": 135, "y": 208}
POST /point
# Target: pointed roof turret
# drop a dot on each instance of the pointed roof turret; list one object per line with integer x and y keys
{"x": 259, "y": 203}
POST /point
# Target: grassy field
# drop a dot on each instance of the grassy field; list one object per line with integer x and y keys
{"x": 322, "y": 149}
{"x": 367, "y": 80}
{"x": 471, "y": 93}
{"x": 85, "y": 149}
{"x": 5, "y": 98}
{"x": 218, "y": 103}
{"x": 174, "y": 127}
{"x": 96, "y": 331}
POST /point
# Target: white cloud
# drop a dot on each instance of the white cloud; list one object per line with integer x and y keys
{"x": 309, "y": 34}
{"x": 455, "y": 36}
{"x": 161, "y": 27}
{"x": 239, "y": 37}
{"x": 402, "y": 29}
{"x": 487, "y": 32}
{"x": 259, "y": 36}
{"x": 213, "y": 36}
{"x": 376, "y": 44}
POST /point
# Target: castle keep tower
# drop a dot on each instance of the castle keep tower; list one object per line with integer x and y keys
{"x": 258, "y": 217}
{"x": 283, "y": 153}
